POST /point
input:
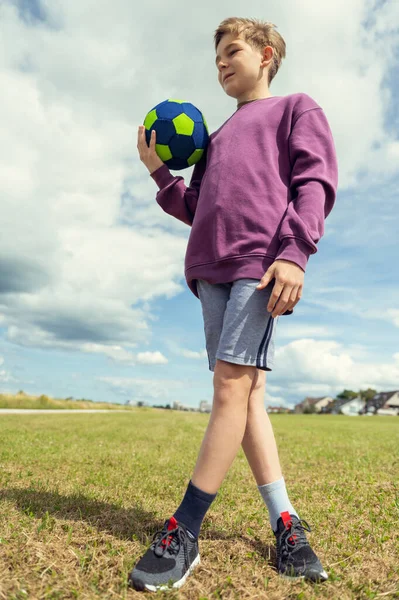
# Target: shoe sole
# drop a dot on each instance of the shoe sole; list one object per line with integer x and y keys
{"x": 177, "y": 584}
{"x": 323, "y": 576}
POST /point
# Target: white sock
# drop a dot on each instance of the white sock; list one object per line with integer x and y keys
{"x": 276, "y": 499}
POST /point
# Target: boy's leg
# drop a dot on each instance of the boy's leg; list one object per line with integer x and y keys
{"x": 259, "y": 443}
{"x": 295, "y": 557}
{"x": 174, "y": 553}
{"x": 260, "y": 448}
{"x": 221, "y": 442}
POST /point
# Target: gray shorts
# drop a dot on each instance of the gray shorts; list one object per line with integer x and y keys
{"x": 238, "y": 328}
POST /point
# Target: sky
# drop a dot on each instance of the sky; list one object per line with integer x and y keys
{"x": 93, "y": 299}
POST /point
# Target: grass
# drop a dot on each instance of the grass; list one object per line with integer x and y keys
{"x": 82, "y": 495}
{"x": 22, "y": 400}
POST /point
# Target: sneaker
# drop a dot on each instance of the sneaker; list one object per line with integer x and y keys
{"x": 169, "y": 560}
{"x": 295, "y": 557}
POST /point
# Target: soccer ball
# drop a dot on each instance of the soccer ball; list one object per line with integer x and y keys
{"x": 181, "y": 133}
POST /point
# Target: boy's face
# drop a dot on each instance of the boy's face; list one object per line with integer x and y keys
{"x": 244, "y": 62}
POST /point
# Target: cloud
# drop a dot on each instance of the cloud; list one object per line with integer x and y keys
{"x": 288, "y": 329}
{"x": 151, "y": 358}
{"x": 160, "y": 390}
{"x": 196, "y": 355}
{"x": 277, "y": 401}
{"x": 328, "y": 367}
{"x": 5, "y": 376}
{"x": 393, "y": 315}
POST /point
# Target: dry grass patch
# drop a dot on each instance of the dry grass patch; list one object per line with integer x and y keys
{"x": 22, "y": 400}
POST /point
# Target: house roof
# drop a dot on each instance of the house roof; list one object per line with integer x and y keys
{"x": 385, "y": 395}
{"x": 311, "y": 400}
{"x": 381, "y": 398}
{"x": 338, "y": 402}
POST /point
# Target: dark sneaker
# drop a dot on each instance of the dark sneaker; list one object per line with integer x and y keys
{"x": 295, "y": 557}
{"x": 169, "y": 560}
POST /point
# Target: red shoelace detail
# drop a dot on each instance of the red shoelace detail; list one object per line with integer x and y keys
{"x": 301, "y": 525}
{"x": 171, "y": 525}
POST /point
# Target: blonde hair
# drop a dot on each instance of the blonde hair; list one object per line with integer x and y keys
{"x": 258, "y": 34}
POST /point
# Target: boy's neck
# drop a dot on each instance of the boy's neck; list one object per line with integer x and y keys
{"x": 253, "y": 100}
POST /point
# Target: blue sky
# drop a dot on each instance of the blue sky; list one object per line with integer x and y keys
{"x": 93, "y": 300}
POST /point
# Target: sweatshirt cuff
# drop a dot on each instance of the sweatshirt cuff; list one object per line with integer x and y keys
{"x": 162, "y": 176}
{"x": 295, "y": 250}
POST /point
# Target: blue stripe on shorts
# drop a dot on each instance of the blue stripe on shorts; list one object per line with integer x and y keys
{"x": 261, "y": 360}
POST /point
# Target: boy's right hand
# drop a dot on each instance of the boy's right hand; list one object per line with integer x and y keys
{"x": 147, "y": 153}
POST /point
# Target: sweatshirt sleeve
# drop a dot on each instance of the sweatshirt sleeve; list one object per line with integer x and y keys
{"x": 174, "y": 197}
{"x": 313, "y": 186}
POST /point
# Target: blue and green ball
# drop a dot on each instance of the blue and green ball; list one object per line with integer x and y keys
{"x": 181, "y": 133}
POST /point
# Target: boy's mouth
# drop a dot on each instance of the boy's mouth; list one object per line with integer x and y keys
{"x": 227, "y": 77}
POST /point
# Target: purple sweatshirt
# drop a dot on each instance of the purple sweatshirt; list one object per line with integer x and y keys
{"x": 260, "y": 192}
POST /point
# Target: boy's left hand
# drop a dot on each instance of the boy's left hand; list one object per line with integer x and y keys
{"x": 288, "y": 287}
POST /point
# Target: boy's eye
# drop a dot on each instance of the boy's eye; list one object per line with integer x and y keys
{"x": 232, "y": 52}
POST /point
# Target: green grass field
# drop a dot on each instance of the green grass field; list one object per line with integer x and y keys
{"x": 82, "y": 495}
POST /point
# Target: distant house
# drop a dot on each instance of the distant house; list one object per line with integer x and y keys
{"x": 353, "y": 408}
{"x": 278, "y": 409}
{"x": 384, "y": 403}
{"x": 335, "y": 406}
{"x": 320, "y": 404}
{"x": 177, "y": 405}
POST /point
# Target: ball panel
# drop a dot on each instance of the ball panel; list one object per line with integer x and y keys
{"x": 181, "y": 146}
{"x": 165, "y": 130}
{"x": 150, "y": 119}
{"x": 193, "y": 112}
{"x": 195, "y": 157}
{"x": 200, "y": 136}
{"x": 169, "y": 110}
{"x": 183, "y": 124}
{"x": 163, "y": 152}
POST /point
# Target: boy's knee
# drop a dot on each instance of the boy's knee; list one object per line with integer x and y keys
{"x": 229, "y": 373}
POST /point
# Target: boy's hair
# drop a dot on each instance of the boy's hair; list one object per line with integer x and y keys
{"x": 258, "y": 34}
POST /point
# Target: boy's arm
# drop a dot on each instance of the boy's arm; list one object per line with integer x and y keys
{"x": 313, "y": 186}
{"x": 174, "y": 197}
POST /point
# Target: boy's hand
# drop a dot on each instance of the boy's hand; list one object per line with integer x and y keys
{"x": 147, "y": 153}
{"x": 288, "y": 287}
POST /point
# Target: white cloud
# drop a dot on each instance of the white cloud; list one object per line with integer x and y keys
{"x": 328, "y": 367}
{"x": 393, "y": 315}
{"x": 116, "y": 353}
{"x": 194, "y": 355}
{"x": 288, "y": 329}
{"x": 5, "y": 376}
{"x": 160, "y": 389}
{"x": 151, "y": 358}
{"x": 358, "y": 307}
{"x": 276, "y": 401}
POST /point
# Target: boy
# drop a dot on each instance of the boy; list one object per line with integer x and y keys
{"x": 256, "y": 205}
